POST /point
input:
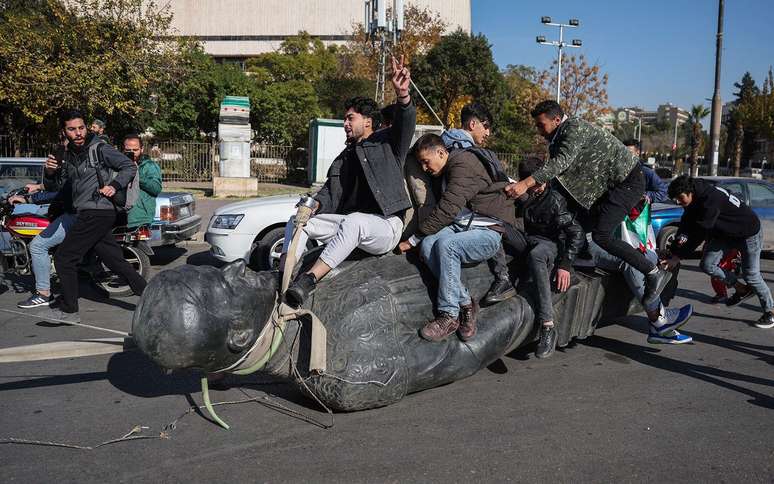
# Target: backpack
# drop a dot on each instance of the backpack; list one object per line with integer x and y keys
{"x": 125, "y": 198}
{"x": 490, "y": 161}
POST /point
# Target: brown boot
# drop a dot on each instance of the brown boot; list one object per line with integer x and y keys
{"x": 468, "y": 320}
{"x": 440, "y": 327}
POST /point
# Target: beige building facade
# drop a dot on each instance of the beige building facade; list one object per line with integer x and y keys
{"x": 245, "y": 28}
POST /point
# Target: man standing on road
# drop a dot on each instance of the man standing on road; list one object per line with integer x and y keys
{"x": 725, "y": 222}
{"x": 362, "y": 203}
{"x": 95, "y": 208}
{"x": 601, "y": 176}
{"x": 149, "y": 178}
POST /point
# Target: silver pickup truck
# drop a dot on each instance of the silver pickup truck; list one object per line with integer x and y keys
{"x": 175, "y": 219}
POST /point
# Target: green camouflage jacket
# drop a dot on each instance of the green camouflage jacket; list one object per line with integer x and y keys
{"x": 586, "y": 159}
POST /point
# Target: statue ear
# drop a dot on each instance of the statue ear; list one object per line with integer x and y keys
{"x": 234, "y": 270}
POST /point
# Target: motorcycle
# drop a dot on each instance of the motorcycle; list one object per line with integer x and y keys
{"x": 18, "y": 230}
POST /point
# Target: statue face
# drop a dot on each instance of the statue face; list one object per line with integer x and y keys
{"x": 203, "y": 317}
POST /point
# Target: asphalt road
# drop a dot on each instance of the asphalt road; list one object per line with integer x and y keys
{"x": 611, "y": 408}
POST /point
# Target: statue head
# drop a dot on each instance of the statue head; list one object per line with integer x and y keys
{"x": 203, "y": 317}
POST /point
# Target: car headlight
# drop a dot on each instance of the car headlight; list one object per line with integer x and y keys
{"x": 227, "y": 221}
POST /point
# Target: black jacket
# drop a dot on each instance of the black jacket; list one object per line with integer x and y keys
{"x": 713, "y": 213}
{"x": 82, "y": 177}
{"x": 547, "y": 216}
{"x": 382, "y": 156}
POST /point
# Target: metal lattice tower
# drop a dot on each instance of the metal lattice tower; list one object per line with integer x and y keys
{"x": 383, "y": 30}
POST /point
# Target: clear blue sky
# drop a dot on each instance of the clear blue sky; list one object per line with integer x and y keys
{"x": 655, "y": 51}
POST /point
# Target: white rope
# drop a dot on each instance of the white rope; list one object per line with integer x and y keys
{"x": 83, "y": 325}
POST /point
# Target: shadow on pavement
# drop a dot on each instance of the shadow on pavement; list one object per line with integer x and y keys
{"x": 740, "y": 346}
{"x": 204, "y": 258}
{"x": 735, "y": 320}
{"x": 695, "y": 295}
{"x": 166, "y": 255}
{"x": 650, "y": 357}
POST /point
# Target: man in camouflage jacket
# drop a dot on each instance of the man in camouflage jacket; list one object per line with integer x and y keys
{"x": 603, "y": 179}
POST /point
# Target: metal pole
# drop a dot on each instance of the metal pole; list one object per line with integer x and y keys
{"x": 639, "y": 133}
{"x": 559, "y": 66}
{"x": 674, "y": 143}
{"x": 716, "y": 104}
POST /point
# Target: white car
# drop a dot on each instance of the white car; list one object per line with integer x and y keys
{"x": 253, "y": 230}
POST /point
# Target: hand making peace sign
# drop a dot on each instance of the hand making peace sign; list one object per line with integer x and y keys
{"x": 401, "y": 80}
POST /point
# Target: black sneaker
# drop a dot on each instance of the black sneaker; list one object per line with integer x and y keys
{"x": 35, "y": 301}
{"x": 300, "y": 289}
{"x": 654, "y": 285}
{"x": 500, "y": 290}
{"x": 739, "y": 296}
{"x": 547, "y": 342}
{"x": 766, "y": 321}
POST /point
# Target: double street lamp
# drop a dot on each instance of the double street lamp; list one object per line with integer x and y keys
{"x": 561, "y": 44}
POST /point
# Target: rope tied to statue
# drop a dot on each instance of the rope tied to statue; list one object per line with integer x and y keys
{"x": 268, "y": 340}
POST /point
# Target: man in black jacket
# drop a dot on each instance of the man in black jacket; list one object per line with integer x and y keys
{"x": 364, "y": 198}
{"x": 96, "y": 210}
{"x": 554, "y": 237}
{"x": 723, "y": 222}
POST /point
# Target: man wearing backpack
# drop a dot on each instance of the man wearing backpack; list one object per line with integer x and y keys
{"x": 465, "y": 226}
{"x": 98, "y": 176}
{"x": 476, "y": 125}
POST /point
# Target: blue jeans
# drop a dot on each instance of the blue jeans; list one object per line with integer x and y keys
{"x": 635, "y": 280}
{"x": 52, "y": 236}
{"x": 751, "y": 265}
{"x": 445, "y": 252}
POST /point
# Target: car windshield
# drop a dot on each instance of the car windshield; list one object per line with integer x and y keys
{"x": 13, "y": 176}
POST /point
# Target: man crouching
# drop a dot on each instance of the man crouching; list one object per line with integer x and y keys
{"x": 362, "y": 203}
{"x": 465, "y": 226}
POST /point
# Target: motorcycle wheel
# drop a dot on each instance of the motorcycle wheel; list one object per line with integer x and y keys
{"x": 115, "y": 285}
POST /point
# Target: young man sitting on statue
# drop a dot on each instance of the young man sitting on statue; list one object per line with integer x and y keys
{"x": 554, "y": 239}
{"x": 362, "y": 202}
{"x": 465, "y": 226}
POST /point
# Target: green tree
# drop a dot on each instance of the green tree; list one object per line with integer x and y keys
{"x": 741, "y": 141}
{"x": 189, "y": 107}
{"x": 514, "y": 130}
{"x": 698, "y": 112}
{"x": 459, "y": 66}
{"x": 299, "y": 58}
{"x": 288, "y": 83}
{"x": 99, "y": 55}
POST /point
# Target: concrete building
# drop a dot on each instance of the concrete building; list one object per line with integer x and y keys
{"x": 665, "y": 113}
{"x": 669, "y": 113}
{"x": 238, "y": 29}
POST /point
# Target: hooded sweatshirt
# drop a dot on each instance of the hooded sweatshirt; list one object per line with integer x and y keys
{"x": 457, "y": 139}
{"x": 714, "y": 213}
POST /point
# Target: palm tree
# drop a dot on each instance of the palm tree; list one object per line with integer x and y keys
{"x": 698, "y": 112}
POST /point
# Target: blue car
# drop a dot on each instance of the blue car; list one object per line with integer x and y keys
{"x": 758, "y": 194}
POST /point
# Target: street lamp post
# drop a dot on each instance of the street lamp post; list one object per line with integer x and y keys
{"x": 716, "y": 103}
{"x": 561, "y": 44}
